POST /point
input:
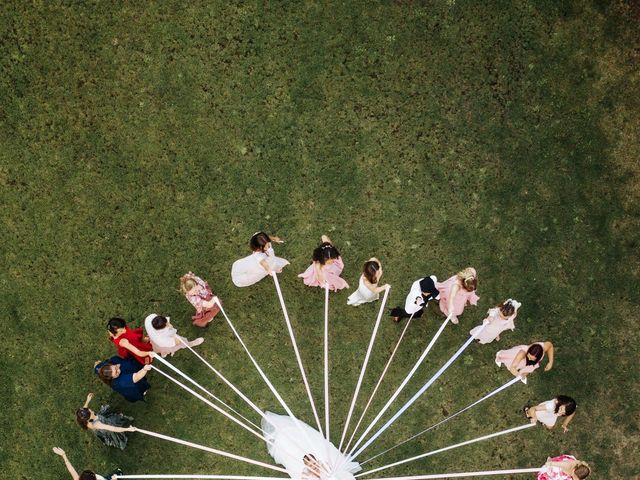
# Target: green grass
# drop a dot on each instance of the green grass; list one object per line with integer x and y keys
{"x": 142, "y": 141}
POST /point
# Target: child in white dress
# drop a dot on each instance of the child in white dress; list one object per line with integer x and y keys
{"x": 262, "y": 262}
{"x": 368, "y": 289}
{"x": 499, "y": 319}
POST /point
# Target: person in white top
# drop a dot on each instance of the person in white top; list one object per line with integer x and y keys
{"x": 368, "y": 289}
{"x": 262, "y": 262}
{"x": 164, "y": 338}
{"x": 421, "y": 292}
{"x": 548, "y": 412}
{"x": 499, "y": 319}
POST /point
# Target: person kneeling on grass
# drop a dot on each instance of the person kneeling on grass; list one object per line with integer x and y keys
{"x": 125, "y": 376}
{"x": 85, "y": 474}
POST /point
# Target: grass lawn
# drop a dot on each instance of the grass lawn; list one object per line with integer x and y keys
{"x": 141, "y": 140}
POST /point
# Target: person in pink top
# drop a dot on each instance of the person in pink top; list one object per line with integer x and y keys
{"x": 457, "y": 291}
{"x": 198, "y": 293}
{"x": 326, "y": 267}
{"x": 521, "y": 360}
{"x": 564, "y": 467}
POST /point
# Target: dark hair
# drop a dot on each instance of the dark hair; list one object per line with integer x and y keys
{"x": 370, "y": 269}
{"x": 582, "y": 470}
{"x": 105, "y": 373}
{"x": 537, "y": 351}
{"x": 324, "y": 252}
{"x": 258, "y": 241}
{"x": 82, "y": 417}
{"x": 87, "y": 475}
{"x": 507, "y": 308}
{"x": 115, "y": 323}
{"x": 159, "y": 322}
{"x": 568, "y": 402}
{"x": 308, "y": 457}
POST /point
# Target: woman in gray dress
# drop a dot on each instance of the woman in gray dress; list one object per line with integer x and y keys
{"x": 110, "y": 427}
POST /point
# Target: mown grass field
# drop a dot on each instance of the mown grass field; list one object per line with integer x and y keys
{"x": 143, "y": 140}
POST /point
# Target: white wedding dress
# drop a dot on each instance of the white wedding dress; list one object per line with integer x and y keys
{"x": 288, "y": 443}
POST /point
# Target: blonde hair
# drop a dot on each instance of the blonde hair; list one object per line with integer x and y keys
{"x": 187, "y": 282}
{"x": 468, "y": 278}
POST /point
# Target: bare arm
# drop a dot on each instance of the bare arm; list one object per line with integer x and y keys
{"x": 452, "y": 294}
{"x": 275, "y": 238}
{"x": 139, "y": 375}
{"x": 125, "y": 344}
{"x": 548, "y": 349}
{"x": 88, "y": 400}
{"x": 319, "y": 273}
{"x": 97, "y": 425}
{"x": 67, "y": 463}
{"x": 514, "y": 365}
{"x": 374, "y": 286}
{"x": 264, "y": 264}
{"x": 567, "y": 421}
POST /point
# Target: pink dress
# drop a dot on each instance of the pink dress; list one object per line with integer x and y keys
{"x": 331, "y": 274}
{"x": 461, "y": 299}
{"x": 508, "y": 356}
{"x": 554, "y": 473}
{"x": 203, "y": 293}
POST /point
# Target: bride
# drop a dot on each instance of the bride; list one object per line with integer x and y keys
{"x": 303, "y": 451}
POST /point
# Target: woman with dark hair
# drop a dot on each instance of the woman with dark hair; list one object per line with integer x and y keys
{"x": 125, "y": 376}
{"x": 524, "y": 359}
{"x": 85, "y": 474}
{"x": 262, "y": 262}
{"x": 548, "y": 412}
{"x": 458, "y": 291}
{"x": 164, "y": 338}
{"x": 326, "y": 267}
{"x": 564, "y": 467}
{"x": 499, "y": 319}
{"x": 199, "y": 294}
{"x": 131, "y": 343}
{"x": 108, "y": 426}
{"x": 368, "y": 289}
{"x": 422, "y": 291}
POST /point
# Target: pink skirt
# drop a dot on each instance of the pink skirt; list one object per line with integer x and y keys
{"x": 331, "y": 274}
{"x": 201, "y": 319}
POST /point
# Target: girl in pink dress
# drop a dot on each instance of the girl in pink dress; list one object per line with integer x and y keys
{"x": 199, "y": 294}
{"x": 524, "y": 359}
{"x": 457, "y": 291}
{"x": 326, "y": 267}
{"x": 564, "y": 467}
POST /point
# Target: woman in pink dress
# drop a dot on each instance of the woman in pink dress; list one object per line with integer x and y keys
{"x": 326, "y": 267}
{"x": 564, "y": 467}
{"x": 457, "y": 291}
{"x": 199, "y": 294}
{"x": 524, "y": 359}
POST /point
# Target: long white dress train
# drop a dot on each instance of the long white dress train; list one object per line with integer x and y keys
{"x": 287, "y": 444}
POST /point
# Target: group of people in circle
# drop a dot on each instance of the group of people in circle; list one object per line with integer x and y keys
{"x": 126, "y": 372}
